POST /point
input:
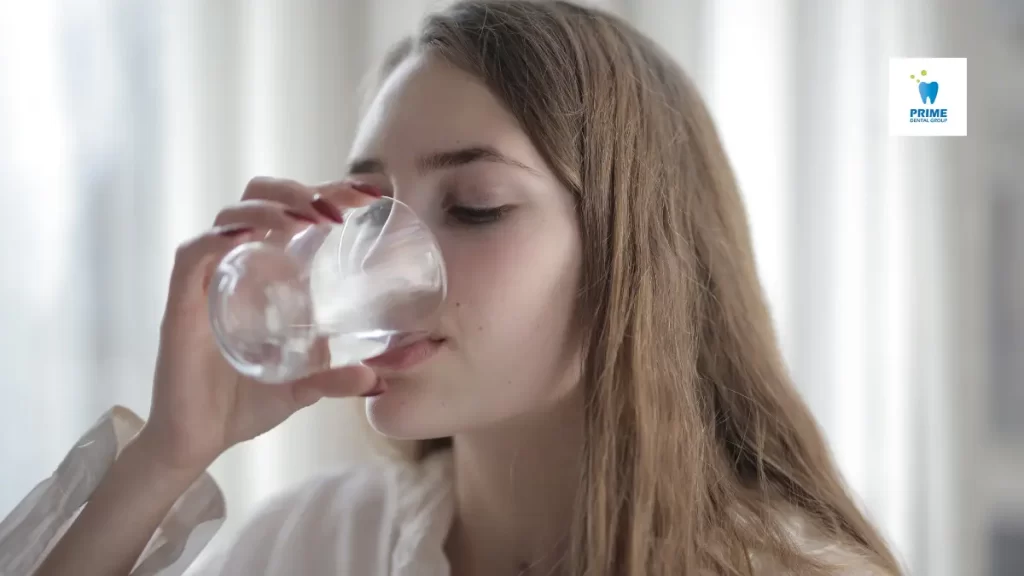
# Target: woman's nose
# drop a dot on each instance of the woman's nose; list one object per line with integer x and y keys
{"x": 417, "y": 195}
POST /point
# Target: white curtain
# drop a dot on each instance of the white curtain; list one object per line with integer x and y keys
{"x": 124, "y": 126}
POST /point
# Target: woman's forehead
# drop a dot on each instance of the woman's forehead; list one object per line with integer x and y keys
{"x": 427, "y": 105}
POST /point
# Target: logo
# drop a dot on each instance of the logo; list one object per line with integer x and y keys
{"x": 916, "y": 106}
{"x": 928, "y": 91}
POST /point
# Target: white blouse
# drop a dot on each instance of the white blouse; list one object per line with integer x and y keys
{"x": 387, "y": 519}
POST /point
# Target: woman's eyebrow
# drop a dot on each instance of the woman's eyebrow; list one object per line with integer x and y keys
{"x": 441, "y": 160}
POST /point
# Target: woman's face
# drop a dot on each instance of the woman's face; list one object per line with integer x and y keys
{"x": 438, "y": 140}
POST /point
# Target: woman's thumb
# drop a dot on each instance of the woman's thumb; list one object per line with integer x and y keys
{"x": 335, "y": 383}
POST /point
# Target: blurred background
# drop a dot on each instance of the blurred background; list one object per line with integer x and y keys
{"x": 894, "y": 266}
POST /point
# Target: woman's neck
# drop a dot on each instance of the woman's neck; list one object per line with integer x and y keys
{"x": 515, "y": 489}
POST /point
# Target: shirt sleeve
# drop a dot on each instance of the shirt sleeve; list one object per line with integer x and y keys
{"x": 39, "y": 521}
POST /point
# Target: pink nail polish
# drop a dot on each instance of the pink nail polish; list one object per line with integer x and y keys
{"x": 329, "y": 211}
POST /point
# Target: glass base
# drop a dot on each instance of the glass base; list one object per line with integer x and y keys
{"x": 262, "y": 315}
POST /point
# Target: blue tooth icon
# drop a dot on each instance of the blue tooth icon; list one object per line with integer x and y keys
{"x": 928, "y": 90}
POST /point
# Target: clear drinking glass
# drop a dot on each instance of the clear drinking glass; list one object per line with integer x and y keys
{"x": 333, "y": 295}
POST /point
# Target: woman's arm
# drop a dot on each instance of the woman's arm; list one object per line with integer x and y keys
{"x": 36, "y": 524}
{"x": 122, "y": 514}
{"x": 201, "y": 407}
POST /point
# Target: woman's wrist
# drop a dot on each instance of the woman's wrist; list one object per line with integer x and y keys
{"x": 150, "y": 460}
{"x": 124, "y": 511}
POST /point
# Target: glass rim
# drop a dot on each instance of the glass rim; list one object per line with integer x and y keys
{"x": 442, "y": 265}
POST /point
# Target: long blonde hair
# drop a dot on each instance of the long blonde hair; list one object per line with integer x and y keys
{"x": 696, "y": 437}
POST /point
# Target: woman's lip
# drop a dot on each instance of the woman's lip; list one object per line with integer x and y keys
{"x": 407, "y": 356}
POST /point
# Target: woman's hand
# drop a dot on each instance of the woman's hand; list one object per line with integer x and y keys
{"x": 201, "y": 406}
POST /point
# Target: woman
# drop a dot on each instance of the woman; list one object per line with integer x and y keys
{"x": 605, "y": 366}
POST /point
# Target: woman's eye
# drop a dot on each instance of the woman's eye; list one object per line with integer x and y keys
{"x": 476, "y": 216}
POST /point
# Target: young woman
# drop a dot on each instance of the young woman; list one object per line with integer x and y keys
{"x": 603, "y": 394}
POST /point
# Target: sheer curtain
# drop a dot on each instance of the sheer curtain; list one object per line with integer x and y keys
{"x": 124, "y": 127}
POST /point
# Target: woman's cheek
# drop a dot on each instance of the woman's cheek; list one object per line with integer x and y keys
{"x": 494, "y": 250}
{"x": 481, "y": 271}
{"x": 523, "y": 278}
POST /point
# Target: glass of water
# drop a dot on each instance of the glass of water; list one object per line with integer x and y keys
{"x": 334, "y": 295}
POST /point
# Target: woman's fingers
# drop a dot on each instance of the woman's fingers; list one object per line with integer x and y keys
{"x": 263, "y": 406}
{"x": 288, "y": 193}
{"x": 347, "y": 194}
{"x": 334, "y": 383}
{"x": 195, "y": 259}
{"x": 266, "y": 215}
{"x": 326, "y": 200}
{"x": 284, "y": 207}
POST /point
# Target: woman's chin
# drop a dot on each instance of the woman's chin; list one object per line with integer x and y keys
{"x": 401, "y": 418}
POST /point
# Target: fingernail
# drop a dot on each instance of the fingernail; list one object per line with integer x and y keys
{"x": 367, "y": 189}
{"x": 328, "y": 210}
{"x": 300, "y": 216}
{"x": 233, "y": 231}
